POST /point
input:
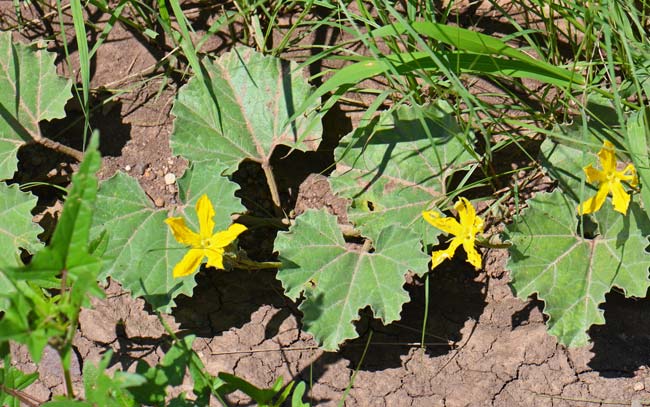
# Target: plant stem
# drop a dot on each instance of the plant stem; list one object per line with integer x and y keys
{"x": 253, "y": 221}
{"x": 61, "y": 148}
{"x": 68, "y": 382}
{"x": 257, "y": 265}
{"x": 65, "y": 349}
{"x": 273, "y": 188}
{"x": 23, "y": 397}
{"x": 426, "y": 310}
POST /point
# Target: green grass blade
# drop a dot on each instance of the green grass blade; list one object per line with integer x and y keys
{"x": 84, "y": 60}
{"x": 474, "y": 42}
{"x": 186, "y": 40}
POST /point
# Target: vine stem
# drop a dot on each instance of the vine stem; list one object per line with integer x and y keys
{"x": 273, "y": 188}
{"x": 61, "y": 148}
{"x": 257, "y": 265}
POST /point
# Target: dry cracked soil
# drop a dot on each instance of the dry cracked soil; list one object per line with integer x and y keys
{"x": 484, "y": 347}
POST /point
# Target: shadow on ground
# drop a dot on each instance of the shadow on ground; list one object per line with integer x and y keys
{"x": 454, "y": 298}
{"x": 621, "y": 345}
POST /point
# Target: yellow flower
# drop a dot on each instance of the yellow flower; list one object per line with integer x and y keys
{"x": 609, "y": 181}
{"x": 203, "y": 244}
{"x": 464, "y": 233}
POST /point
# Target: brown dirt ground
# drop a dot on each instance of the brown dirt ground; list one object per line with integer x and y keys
{"x": 484, "y": 347}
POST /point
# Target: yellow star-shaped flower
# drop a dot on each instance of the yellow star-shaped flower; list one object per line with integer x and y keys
{"x": 205, "y": 243}
{"x": 464, "y": 233}
{"x": 609, "y": 181}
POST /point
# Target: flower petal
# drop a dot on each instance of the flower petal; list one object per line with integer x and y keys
{"x": 620, "y": 198}
{"x": 629, "y": 175}
{"x": 182, "y": 233}
{"x": 215, "y": 257}
{"x": 439, "y": 256}
{"x": 607, "y": 157}
{"x": 594, "y": 203}
{"x": 473, "y": 256}
{"x": 594, "y": 176}
{"x": 205, "y": 213}
{"x": 188, "y": 265}
{"x": 447, "y": 225}
{"x": 224, "y": 238}
{"x": 466, "y": 212}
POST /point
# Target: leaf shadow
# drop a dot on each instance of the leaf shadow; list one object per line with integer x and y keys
{"x": 226, "y": 300}
{"x": 404, "y": 132}
{"x": 455, "y": 297}
{"x": 620, "y": 347}
{"x": 105, "y": 116}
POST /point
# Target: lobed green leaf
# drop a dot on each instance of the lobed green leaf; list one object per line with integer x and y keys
{"x": 30, "y": 91}
{"x": 243, "y": 110}
{"x": 571, "y": 266}
{"x": 16, "y": 227}
{"x": 392, "y": 169}
{"x": 337, "y": 279}
{"x": 141, "y": 245}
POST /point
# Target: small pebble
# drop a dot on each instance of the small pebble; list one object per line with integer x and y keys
{"x": 170, "y": 178}
{"x": 638, "y": 386}
{"x": 139, "y": 169}
{"x": 159, "y": 202}
{"x": 127, "y": 168}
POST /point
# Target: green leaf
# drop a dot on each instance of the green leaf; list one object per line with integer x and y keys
{"x": 33, "y": 316}
{"x": 296, "y": 397}
{"x": 394, "y": 168}
{"x": 14, "y": 379}
{"x": 141, "y": 245}
{"x": 103, "y": 390}
{"x": 71, "y": 238}
{"x": 16, "y": 227}
{"x": 638, "y": 139}
{"x": 169, "y": 372}
{"x": 69, "y": 248}
{"x": 68, "y": 403}
{"x": 29, "y": 318}
{"x": 261, "y": 396}
{"x": 255, "y": 96}
{"x": 572, "y": 273}
{"x": 16, "y": 231}
{"x": 338, "y": 280}
{"x": 30, "y": 91}
{"x": 573, "y": 147}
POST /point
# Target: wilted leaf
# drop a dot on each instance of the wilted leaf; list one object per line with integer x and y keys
{"x": 143, "y": 249}
{"x": 572, "y": 273}
{"x": 398, "y": 166}
{"x": 255, "y": 96}
{"x": 337, "y": 280}
{"x": 30, "y": 91}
